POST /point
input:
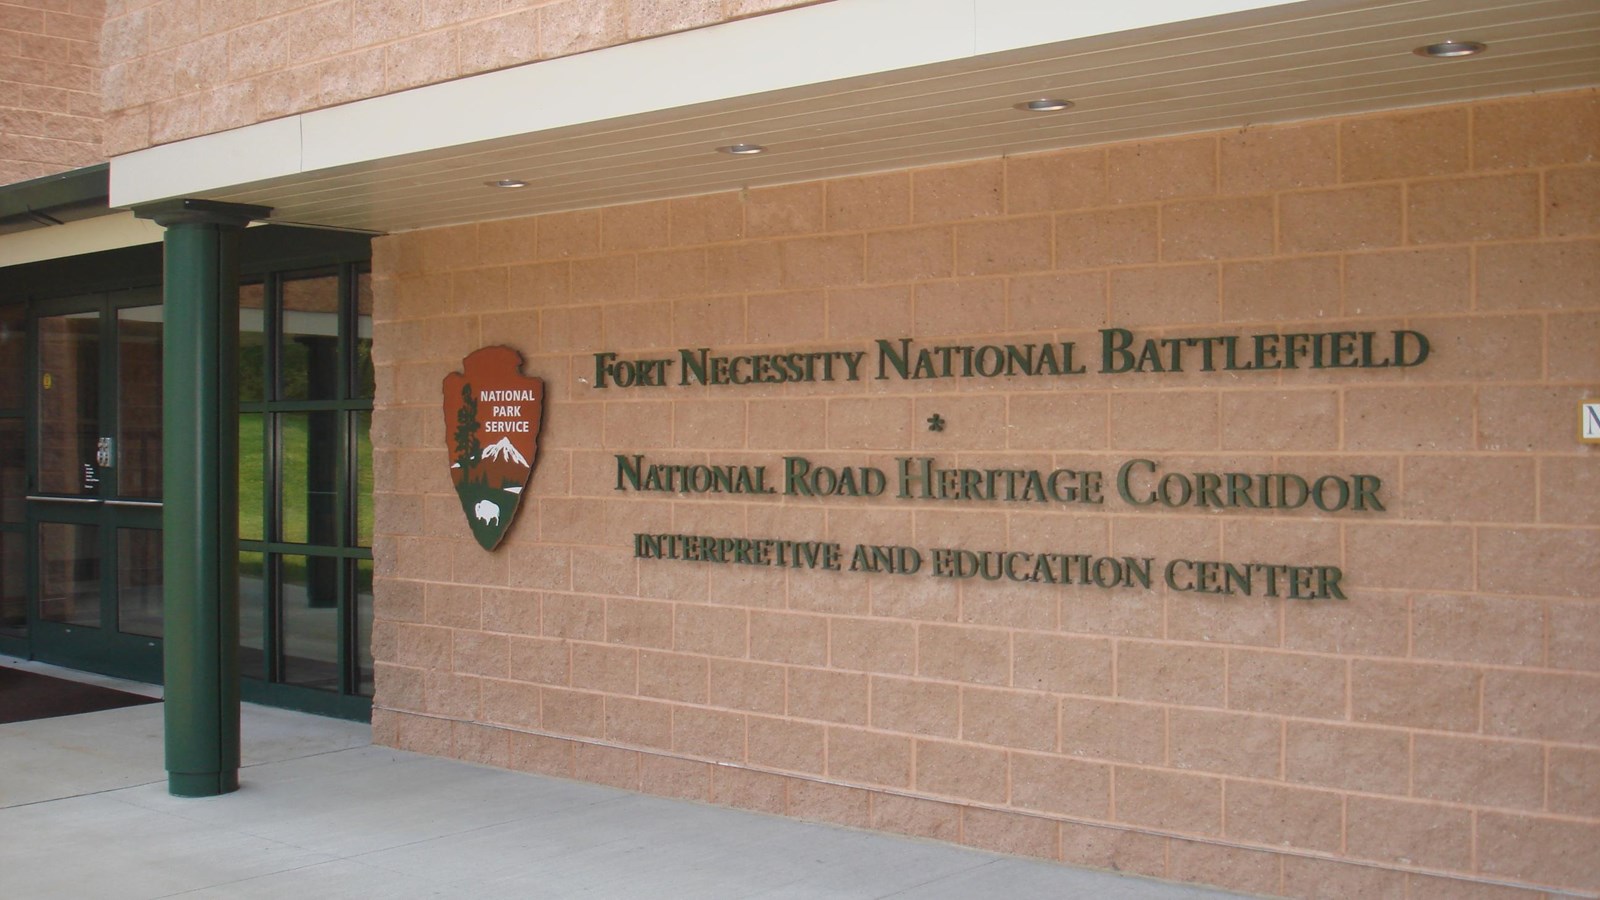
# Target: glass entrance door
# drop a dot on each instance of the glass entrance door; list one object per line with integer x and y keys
{"x": 13, "y": 479}
{"x": 95, "y": 491}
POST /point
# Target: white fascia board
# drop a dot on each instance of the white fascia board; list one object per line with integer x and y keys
{"x": 77, "y": 237}
{"x": 191, "y": 167}
{"x": 810, "y": 45}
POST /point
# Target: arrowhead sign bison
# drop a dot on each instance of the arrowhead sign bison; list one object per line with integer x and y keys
{"x": 492, "y": 414}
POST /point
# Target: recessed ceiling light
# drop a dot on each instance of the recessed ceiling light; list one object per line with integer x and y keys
{"x": 507, "y": 183}
{"x": 1451, "y": 49}
{"x": 742, "y": 149}
{"x": 1044, "y": 104}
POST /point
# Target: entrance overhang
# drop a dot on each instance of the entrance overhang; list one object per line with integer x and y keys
{"x": 855, "y": 86}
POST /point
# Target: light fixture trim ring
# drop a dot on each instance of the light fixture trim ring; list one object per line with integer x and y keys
{"x": 1044, "y": 104}
{"x": 1450, "y": 49}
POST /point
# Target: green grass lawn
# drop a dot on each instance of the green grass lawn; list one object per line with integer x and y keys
{"x": 252, "y": 477}
{"x": 295, "y": 428}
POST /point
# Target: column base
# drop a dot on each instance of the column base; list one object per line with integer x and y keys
{"x": 202, "y": 784}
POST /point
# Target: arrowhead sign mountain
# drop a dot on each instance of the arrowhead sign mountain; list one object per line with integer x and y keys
{"x": 492, "y": 414}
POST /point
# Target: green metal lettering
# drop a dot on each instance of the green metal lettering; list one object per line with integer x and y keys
{"x": 1122, "y": 482}
{"x": 1367, "y": 493}
{"x": 887, "y": 354}
{"x": 629, "y": 471}
{"x": 694, "y": 364}
{"x": 1401, "y": 358}
{"x": 1115, "y": 358}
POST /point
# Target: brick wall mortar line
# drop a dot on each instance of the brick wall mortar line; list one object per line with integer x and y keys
{"x": 1094, "y": 637}
{"x": 1032, "y": 814}
{"x": 1411, "y": 766}
{"x": 1166, "y": 616}
{"x": 1283, "y": 615}
{"x": 1547, "y": 778}
{"x": 1222, "y": 811}
{"x": 1349, "y": 698}
{"x": 1472, "y": 136}
{"x": 1116, "y": 666}
{"x": 1061, "y": 742}
{"x": 1285, "y": 719}
{"x": 1544, "y": 203}
{"x": 1227, "y": 677}
{"x": 1283, "y": 752}
{"x": 1011, "y": 662}
{"x": 1472, "y": 842}
{"x": 1344, "y": 826}
{"x": 915, "y": 762}
{"x": 1483, "y": 703}
{"x": 1166, "y": 736}
{"x": 1545, "y": 632}
{"x": 1408, "y": 797}
{"x": 1472, "y": 278}
{"x": 1477, "y": 567}
{"x": 1544, "y": 369}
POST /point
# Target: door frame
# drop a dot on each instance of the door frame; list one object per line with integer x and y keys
{"x": 104, "y": 648}
{"x": 36, "y": 285}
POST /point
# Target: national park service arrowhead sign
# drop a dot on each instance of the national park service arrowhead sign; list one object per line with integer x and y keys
{"x": 492, "y": 414}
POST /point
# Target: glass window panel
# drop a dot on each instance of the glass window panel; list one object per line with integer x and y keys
{"x": 69, "y": 403}
{"x": 14, "y": 584}
{"x": 138, "y": 448}
{"x": 252, "y": 614}
{"x": 306, "y": 618}
{"x": 310, "y": 609}
{"x": 252, "y": 343}
{"x": 309, "y": 349}
{"x": 363, "y": 487}
{"x": 309, "y": 477}
{"x": 139, "y": 581}
{"x": 13, "y": 474}
{"x": 363, "y": 600}
{"x": 13, "y": 331}
{"x": 69, "y": 574}
{"x": 252, "y": 477}
{"x": 362, "y": 385}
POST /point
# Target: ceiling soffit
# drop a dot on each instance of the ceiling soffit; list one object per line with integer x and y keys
{"x": 1286, "y": 63}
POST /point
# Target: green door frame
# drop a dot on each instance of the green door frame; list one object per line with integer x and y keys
{"x": 36, "y": 286}
{"x": 267, "y": 683}
{"x": 14, "y": 533}
{"x": 104, "y": 648}
{"x": 263, "y": 250}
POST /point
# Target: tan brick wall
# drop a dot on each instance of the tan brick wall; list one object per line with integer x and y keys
{"x": 180, "y": 68}
{"x": 1441, "y": 723}
{"x": 50, "y": 117}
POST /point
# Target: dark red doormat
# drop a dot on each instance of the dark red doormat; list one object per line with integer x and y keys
{"x": 29, "y": 695}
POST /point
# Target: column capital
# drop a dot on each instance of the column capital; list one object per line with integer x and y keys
{"x": 191, "y": 211}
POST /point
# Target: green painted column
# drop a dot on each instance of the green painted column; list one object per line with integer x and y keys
{"x": 200, "y": 513}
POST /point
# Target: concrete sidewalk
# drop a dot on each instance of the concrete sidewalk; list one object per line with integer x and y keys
{"x": 84, "y": 812}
